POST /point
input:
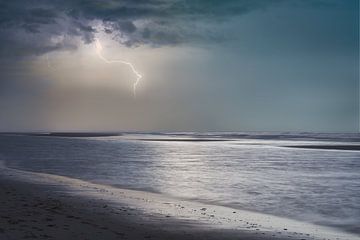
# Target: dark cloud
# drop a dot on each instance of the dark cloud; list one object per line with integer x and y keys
{"x": 153, "y": 22}
{"x": 127, "y": 27}
{"x": 272, "y": 65}
{"x": 85, "y": 31}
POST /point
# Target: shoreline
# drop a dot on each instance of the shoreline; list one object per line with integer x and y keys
{"x": 59, "y": 207}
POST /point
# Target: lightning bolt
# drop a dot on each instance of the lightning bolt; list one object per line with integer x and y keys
{"x": 99, "y": 49}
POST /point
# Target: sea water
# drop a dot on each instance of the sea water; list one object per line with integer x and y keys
{"x": 260, "y": 172}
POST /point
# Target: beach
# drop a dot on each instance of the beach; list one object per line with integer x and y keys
{"x": 45, "y": 206}
{"x": 179, "y": 120}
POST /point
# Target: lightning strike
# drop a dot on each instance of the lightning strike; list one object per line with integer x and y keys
{"x": 99, "y": 49}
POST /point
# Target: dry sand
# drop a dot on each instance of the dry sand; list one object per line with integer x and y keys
{"x": 44, "y": 206}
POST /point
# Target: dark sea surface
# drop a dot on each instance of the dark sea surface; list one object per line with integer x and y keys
{"x": 308, "y": 177}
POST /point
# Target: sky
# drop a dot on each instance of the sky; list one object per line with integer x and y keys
{"x": 206, "y": 65}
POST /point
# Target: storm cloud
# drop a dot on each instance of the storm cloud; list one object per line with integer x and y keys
{"x": 35, "y": 27}
{"x": 207, "y": 65}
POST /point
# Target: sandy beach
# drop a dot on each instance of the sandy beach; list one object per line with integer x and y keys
{"x": 179, "y": 120}
{"x": 44, "y": 206}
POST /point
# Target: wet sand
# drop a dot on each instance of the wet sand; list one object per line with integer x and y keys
{"x": 44, "y": 206}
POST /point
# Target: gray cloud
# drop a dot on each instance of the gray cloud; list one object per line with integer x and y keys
{"x": 132, "y": 23}
{"x": 126, "y": 27}
{"x": 271, "y": 65}
{"x": 153, "y": 22}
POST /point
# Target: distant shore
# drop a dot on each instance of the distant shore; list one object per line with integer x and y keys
{"x": 65, "y": 134}
{"x": 329, "y": 147}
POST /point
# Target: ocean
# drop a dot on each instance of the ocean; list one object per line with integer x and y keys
{"x": 308, "y": 177}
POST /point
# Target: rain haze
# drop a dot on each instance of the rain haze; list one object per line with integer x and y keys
{"x": 205, "y": 65}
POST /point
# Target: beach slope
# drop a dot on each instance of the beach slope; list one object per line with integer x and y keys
{"x": 45, "y": 206}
